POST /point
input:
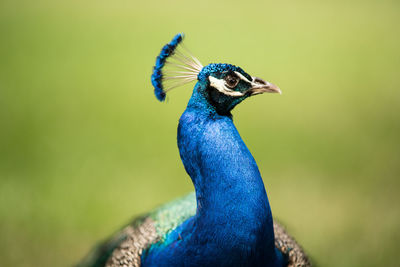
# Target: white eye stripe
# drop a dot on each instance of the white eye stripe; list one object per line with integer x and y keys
{"x": 220, "y": 86}
{"x": 242, "y": 77}
{"x": 253, "y": 82}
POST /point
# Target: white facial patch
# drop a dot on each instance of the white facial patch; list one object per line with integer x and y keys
{"x": 219, "y": 84}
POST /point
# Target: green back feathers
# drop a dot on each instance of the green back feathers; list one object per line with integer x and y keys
{"x": 172, "y": 214}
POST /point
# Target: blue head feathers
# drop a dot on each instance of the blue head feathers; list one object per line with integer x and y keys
{"x": 183, "y": 68}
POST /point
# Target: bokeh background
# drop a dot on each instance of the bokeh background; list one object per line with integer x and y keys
{"x": 85, "y": 146}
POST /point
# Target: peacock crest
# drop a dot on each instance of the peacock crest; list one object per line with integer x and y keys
{"x": 175, "y": 66}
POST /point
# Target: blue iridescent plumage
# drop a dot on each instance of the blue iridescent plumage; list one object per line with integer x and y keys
{"x": 233, "y": 224}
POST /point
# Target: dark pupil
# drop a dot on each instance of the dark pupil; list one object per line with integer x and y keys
{"x": 231, "y": 81}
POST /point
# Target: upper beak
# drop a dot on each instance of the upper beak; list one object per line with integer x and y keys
{"x": 260, "y": 86}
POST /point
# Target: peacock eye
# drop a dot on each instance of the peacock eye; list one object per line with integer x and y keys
{"x": 231, "y": 81}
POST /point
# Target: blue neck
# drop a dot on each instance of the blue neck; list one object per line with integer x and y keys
{"x": 232, "y": 204}
{"x": 233, "y": 223}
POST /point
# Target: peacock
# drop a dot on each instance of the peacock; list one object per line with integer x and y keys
{"x": 227, "y": 221}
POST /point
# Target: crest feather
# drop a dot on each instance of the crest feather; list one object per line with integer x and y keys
{"x": 182, "y": 67}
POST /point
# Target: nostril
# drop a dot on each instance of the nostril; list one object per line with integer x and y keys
{"x": 259, "y": 80}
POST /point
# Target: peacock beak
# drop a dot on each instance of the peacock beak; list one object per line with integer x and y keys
{"x": 260, "y": 86}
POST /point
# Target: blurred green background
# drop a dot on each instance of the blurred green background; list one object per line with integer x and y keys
{"x": 85, "y": 146}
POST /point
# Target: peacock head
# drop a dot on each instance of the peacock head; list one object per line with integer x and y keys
{"x": 226, "y": 85}
{"x": 222, "y": 86}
